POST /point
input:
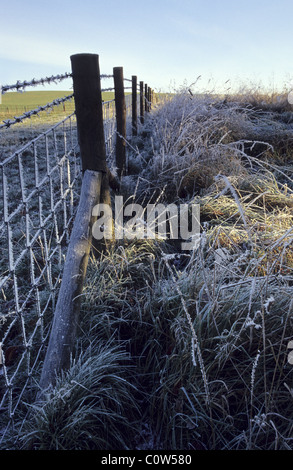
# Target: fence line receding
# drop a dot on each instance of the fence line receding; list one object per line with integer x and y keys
{"x": 45, "y": 184}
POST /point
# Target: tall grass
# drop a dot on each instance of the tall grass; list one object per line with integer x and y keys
{"x": 91, "y": 407}
{"x": 200, "y": 337}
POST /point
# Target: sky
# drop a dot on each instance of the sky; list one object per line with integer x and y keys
{"x": 168, "y": 44}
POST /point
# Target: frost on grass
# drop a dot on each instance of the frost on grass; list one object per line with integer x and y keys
{"x": 229, "y": 303}
{"x": 206, "y": 331}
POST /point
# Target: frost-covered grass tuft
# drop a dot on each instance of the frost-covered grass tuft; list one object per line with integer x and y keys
{"x": 206, "y": 332}
{"x": 92, "y": 406}
{"x": 193, "y": 139}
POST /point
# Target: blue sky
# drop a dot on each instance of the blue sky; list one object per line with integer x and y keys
{"x": 166, "y": 43}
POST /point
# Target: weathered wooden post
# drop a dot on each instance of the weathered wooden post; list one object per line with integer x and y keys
{"x": 154, "y": 97}
{"x": 120, "y": 120}
{"x": 134, "y": 105}
{"x": 89, "y": 117}
{"x": 149, "y": 99}
{"x": 146, "y": 97}
{"x": 89, "y": 111}
{"x": 141, "y": 102}
{"x": 65, "y": 321}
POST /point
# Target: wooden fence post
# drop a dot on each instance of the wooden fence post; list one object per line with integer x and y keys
{"x": 94, "y": 189}
{"x": 120, "y": 120}
{"x": 62, "y": 337}
{"x": 141, "y": 100}
{"x": 89, "y": 111}
{"x": 134, "y": 105}
{"x": 146, "y": 98}
{"x": 149, "y": 99}
{"x": 154, "y": 97}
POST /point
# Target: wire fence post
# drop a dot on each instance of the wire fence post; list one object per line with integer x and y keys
{"x": 134, "y": 105}
{"x": 149, "y": 99}
{"x": 89, "y": 111}
{"x": 120, "y": 120}
{"x": 146, "y": 97}
{"x": 141, "y": 102}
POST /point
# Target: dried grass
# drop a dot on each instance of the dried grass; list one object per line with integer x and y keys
{"x": 207, "y": 331}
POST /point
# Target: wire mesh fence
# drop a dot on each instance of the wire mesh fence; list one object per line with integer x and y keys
{"x": 109, "y": 117}
{"x": 33, "y": 112}
{"x": 40, "y": 182}
{"x": 39, "y": 194}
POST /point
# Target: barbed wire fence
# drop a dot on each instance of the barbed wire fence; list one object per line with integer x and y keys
{"x": 33, "y": 112}
{"x": 40, "y": 185}
{"x": 21, "y": 86}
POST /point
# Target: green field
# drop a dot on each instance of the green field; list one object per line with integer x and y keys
{"x": 15, "y": 104}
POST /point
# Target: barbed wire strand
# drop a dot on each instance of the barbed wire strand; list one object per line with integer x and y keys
{"x": 20, "y": 86}
{"x": 34, "y": 112}
{"x": 107, "y": 89}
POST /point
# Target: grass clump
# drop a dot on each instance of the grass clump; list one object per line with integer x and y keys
{"x": 208, "y": 344}
{"x": 92, "y": 406}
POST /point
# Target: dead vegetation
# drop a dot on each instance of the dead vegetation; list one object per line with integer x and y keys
{"x": 202, "y": 336}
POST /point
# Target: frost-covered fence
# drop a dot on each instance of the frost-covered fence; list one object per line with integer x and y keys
{"x": 40, "y": 196}
{"x": 39, "y": 191}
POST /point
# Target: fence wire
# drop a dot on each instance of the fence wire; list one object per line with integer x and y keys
{"x": 39, "y": 186}
{"x": 22, "y": 85}
{"x": 110, "y": 127}
{"x": 33, "y": 112}
{"x": 39, "y": 194}
{"x": 109, "y": 117}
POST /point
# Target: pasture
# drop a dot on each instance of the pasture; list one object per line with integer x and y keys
{"x": 15, "y": 104}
